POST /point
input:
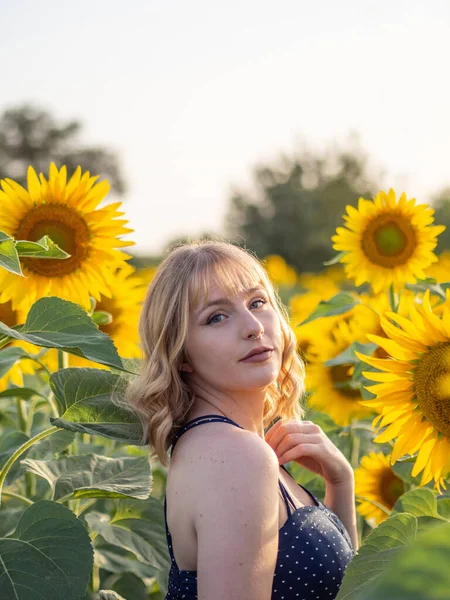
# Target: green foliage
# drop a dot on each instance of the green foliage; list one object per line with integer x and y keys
{"x": 419, "y": 572}
{"x": 337, "y": 305}
{"x": 373, "y": 558}
{"x": 298, "y": 204}
{"x": 50, "y": 553}
{"x": 85, "y": 404}
{"x": 56, "y": 323}
{"x": 32, "y": 136}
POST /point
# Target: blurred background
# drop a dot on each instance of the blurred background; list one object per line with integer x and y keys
{"x": 254, "y": 120}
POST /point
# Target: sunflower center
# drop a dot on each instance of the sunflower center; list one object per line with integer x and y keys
{"x": 8, "y": 316}
{"x": 391, "y": 488}
{"x": 432, "y": 385}
{"x": 66, "y": 228}
{"x": 341, "y": 380}
{"x": 389, "y": 240}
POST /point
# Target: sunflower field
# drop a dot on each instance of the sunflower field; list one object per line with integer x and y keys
{"x": 81, "y": 504}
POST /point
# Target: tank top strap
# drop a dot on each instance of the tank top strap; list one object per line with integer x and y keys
{"x": 222, "y": 419}
{"x": 199, "y": 421}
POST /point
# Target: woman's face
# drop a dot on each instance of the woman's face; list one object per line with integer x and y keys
{"x": 220, "y": 336}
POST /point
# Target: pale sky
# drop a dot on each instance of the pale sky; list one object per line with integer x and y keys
{"x": 193, "y": 93}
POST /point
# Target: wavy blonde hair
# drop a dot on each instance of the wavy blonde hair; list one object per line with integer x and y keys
{"x": 159, "y": 394}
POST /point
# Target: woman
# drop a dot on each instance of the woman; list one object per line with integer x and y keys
{"x": 219, "y": 352}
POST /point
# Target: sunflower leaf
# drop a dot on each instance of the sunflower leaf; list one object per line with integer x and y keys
{"x": 334, "y": 260}
{"x": 93, "y": 476}
{"x": 56, "y": 323}
{"x": 348, "y": 356}
{"x": 337, "y": 305}
{"x": 85, "y": 403}
{"x": 137, "y": 527}
{"x": 43, "y": 248}
{"x": 109, "y": 595}
{"x": 49, "y": 554}
{"x": 9, "y": 259}
{"x": 9, "y": 357}
{"x": 419, "y": 572}
{"x": 375, "y": 555}
{"x": 423, "y": 285}
{"x": 420, "y": 502}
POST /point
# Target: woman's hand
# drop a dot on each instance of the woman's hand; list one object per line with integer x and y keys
{"x": 305, "y": 443}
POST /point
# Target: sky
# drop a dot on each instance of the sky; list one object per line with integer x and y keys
{"x": 192, "y": 94}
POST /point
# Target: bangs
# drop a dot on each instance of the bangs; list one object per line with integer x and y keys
{"x": 224, "y": 273}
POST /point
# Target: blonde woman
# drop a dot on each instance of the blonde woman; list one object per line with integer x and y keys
{"x": 220, "y": 366}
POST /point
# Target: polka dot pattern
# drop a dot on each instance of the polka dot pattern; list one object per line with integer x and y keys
{"x": 314, "y": 549}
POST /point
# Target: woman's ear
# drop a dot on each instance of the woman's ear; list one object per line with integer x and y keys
{"x": 187, "y": 368}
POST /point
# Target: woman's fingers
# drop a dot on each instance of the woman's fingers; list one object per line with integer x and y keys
{"x": 290, "y": 432}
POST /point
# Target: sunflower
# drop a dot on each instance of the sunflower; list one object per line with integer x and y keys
{"x": 413, "y": 389}
{"x": 440, "y": 270}
{"x": 124, "y": 306}
{"x": 66, "y": 211}
{"x": 387, "y": 242}
{"x": 326, "y": 282}
{"x": 300, "y": 307}
{"x": 376, "y": 482}
{"x": 365, "y": 316}
{"x": 12, "y": 317}
{"x": 331, "y": 388}
{"x": 279, "y": 271}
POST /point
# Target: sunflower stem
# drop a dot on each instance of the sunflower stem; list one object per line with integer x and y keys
{"x": 63, "y": 359}
{"x": 17, "y": 497}
{"x": 22, "y": 414}
{"x": 23, "y": 448}
{"x": 393, "y": 298}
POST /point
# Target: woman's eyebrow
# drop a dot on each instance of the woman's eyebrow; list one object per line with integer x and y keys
{"x": 225, "y": 300}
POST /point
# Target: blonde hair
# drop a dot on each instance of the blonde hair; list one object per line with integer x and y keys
{"x": 159, "y": 394}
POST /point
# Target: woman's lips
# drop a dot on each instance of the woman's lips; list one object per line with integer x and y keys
{"x": 260, "y": 357}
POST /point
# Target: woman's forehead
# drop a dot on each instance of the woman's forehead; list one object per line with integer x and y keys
{"x": 210, "y": 285}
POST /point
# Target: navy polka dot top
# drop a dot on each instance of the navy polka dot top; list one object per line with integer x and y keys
{"x": 313, "y": 551}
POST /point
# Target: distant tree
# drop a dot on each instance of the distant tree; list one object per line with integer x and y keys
{"x": 441, "y": 204}
{"x": 298, "y": 204}
{"x": 32, "y": 136}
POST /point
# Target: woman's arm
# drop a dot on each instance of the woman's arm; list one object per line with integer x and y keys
{"x": 236, "y": 520}
{"x": 340, "y": 498}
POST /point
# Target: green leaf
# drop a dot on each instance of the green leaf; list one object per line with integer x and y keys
{"x": 9, "y": 444}
{"x": 348, "y": 356}
{"x": 138, "y": 527}
{"x": 48, "y": 556}
{"x": 56, "y": 323}
{"x": 117, "y": 560}
{"x": 53, "y": 444}
{"x": 443, "y": 507}
{"x": 420, "y": 502}
{"x": 9, "y": 259}
{"x": 109, "y": 595}
{"x": 85, "y": 402}
{"x": 43, "y": 248}
{"x": 20, "y": 392}
{"x": 337, "y": 305}
{"x": 4, "y": 237}
{"x": 93, "y": 476}
{"x": 375, "y": 555}
{"x": 419, "y": 572}
{"x": 335, "y": 259}
{"x": 9, "y": 357}
{"x": 423, "y": 285}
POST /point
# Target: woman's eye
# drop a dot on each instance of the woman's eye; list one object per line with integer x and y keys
{"x": 211, "y": 319}
{"x": 259, "y": 300}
